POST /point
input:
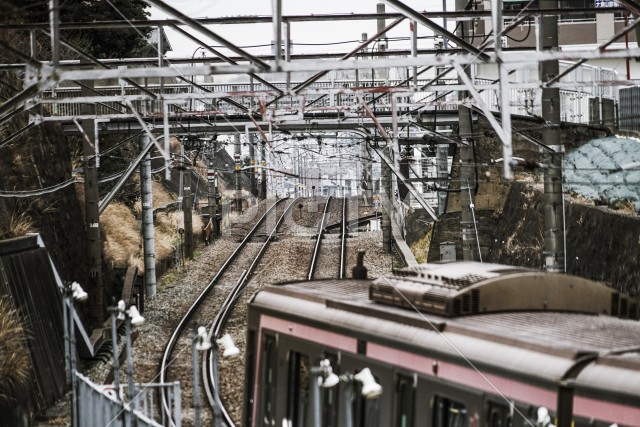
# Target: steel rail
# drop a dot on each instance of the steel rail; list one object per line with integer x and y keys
{"x": 179, "y": 330}
{"x": 343, "y": 240}
{"x": 209, "y": 371}
{"x": 316, "y": 250}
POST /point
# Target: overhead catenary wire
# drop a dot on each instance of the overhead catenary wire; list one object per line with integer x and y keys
{"x": 454, "y": 347}
{"x": 39, "y": 192}
{"x": 164, "y": 58}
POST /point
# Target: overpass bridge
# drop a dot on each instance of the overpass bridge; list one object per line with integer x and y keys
{"x": 329, "y": 104}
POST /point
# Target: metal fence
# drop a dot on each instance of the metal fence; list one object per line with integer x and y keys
{"x": 99, "y": 405}
{"x": 574, "y": 103}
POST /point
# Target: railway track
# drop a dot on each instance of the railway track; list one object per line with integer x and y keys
{"x": 343, "y": 240}
{"x": 321, "y": 234}
{"x": 209, "y": 364}
{"x": 220, "y": 319}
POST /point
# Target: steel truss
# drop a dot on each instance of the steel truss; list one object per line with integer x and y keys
{"x": 268, "y": 106}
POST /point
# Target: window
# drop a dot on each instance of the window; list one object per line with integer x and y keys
{"x": 300, "y": 405}
{"x": 449, "y": 413}
{"x": 498, "y": 415}
{"x": 405, "y": 397}
{"x": 366, "y": 412}
{"x": 298, "y": 388}
{"x": 577, "y": 16}
{"x": 268, "y": 381}
{"x": 330, "y": 396}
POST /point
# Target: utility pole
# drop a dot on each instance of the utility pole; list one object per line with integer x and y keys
{"x": 554, "y": 256}
{"x": 386, "y": 205}
{"x": 385, "y": 172}
{"x": 188, "y": 214}
{"x": 147, "y": 221}
{"x": 92, "y": 214}
{"x": 296, "y": 171}
{"x": 252, "y": 163}
{"x": 212, "y": 178}
{"x": 442, "y": 172}
{"x": 185, "y": 171}
{"x": 367, "y": 173}
{"x": 263, "y": 171}
{"x": 467, "y": 165}
{"x": 238, "y": 172}
{"x": 54, "y": 24}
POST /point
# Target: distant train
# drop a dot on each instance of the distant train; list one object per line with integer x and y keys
{"x": 444, "y": 345}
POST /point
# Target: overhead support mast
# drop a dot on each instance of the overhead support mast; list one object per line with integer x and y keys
{"x": 554, "y": 253}
{"x": 212, "y": 177}
{"x": 148, "y": 238}
{"x": 237, "y": 151}
{"x": 467, "y": 163}
{"x": 92, "y": 212}
{"x": 386, "y": 201}
{"x": 503, "y": 74}
{"x": 54, "y": 22}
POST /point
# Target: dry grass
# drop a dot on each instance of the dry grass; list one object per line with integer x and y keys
{"x": 421, "y": 248}
{"x": 165, "y": 236}
{"x": 14, "y": 357}
{"x": 124, "y": 245}
{"x": 21, "y": 225}
{"x": 18, "y": 225}
{"x": 121, "y": 236}
{"x": 623, "y": 205}
{"x": 578, "y": 198}
{"x": 166, "y": 225}
{"x": 161, "y": 197}
{"x": 164, "y": 245}
{"x": 122, "y": 240}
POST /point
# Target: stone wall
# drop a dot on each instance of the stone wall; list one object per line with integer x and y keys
{"x": 602, "y": 244}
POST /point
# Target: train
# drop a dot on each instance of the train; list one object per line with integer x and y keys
{"x": 461, "y": 344}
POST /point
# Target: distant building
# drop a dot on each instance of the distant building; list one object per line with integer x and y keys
{"x": 576, "y": 30}
{"x": 151, "y": 50}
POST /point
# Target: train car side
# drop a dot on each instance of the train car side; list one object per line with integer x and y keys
{"x": 474, "y": 371}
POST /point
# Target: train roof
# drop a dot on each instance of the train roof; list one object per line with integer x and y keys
{"x": 557, "y": 337}
{"x": 454, "y": 289}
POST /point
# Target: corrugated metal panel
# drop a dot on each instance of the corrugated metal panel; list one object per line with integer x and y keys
{"x": 630, "y": 108}
{"x": 577, "y": 332}
{"x": 26, "y": 277}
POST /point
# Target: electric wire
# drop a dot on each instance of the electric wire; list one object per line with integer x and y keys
{"x": 39, "y": 192}
{"x": 159, "y": 53}
{"x": 459, "y": 352}
{"x": 526, "y": 36}
{"x": 320, "y": 44}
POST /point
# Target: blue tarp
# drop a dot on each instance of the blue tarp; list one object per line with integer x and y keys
{"x": 605, "y": 168}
